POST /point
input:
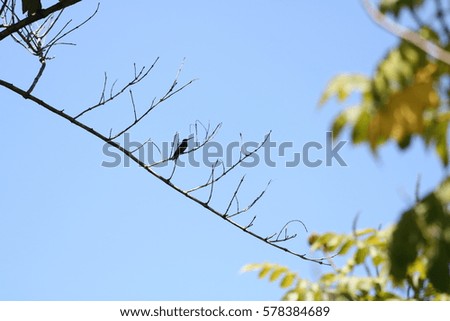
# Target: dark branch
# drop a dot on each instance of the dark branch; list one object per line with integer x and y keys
{"x": 38, "y": 16}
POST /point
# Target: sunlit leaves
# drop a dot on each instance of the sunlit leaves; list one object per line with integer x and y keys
{"x": 396, "y": 6}
{"x": 396, "y": 71}
{"x": 343, "y": 85}
{"x": 399, "y": 102}
{"x": 274, "y": 272}
{"x": 403, "y": 114}
{"x": 288, "y": 280}
{"x": 424, "y": 230}
{"x": 436, "y": 129}
{"x": 366, "y": 250}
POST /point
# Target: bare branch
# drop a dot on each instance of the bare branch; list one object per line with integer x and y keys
{"x": 286, "y": 235}
{"x": 236, "y": 191}
{"x": 212, "y": 183}
{"x": 252, "y": 203}
{"x": 241, "y": 159}
{"x": 170, "y": 93}
{"x": 38, "y": 16}
{"x": 148, "y": 169}
{"x": 3, "y": 7}
{"x": 38, "y": 76}
{"x": 251, "y": 222}
{"x": 33, "y": 40}
{"x": 143, "y": 73}
{"x": 61, "y": 35}
{"x": 133, "y": 104}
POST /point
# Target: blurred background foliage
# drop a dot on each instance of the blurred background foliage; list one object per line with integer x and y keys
{"x": 406, "y": 97}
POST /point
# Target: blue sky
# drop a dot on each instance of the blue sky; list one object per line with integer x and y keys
{"x": 71, "y": 229}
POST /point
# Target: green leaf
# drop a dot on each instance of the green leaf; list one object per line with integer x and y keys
{"x": 321, "y": 241}
{"x": 365, "y": 231}
{"x": 346, "y": 247}
{"x": 438, "y": 271}
{"x": 277, "y": 271}
{"x": 404, "y": 246}
{"x": 361, "y": 254}
{"x": 288, "y": 280}
{"x": 394, "y": 7}
{"x": 360, "y": 130}
{"x": 328, "y": 278}
{"x": 343, "y": 85}
{"x": 265, "y": 270}
{"x": 348, "y": 116}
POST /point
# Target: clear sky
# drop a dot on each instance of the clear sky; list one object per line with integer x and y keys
{"x": 71, "y": 229}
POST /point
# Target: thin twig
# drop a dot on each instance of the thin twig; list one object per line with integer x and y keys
{"x": 252, "y": 203}
{"x": 143, "y": 73}
{"x": 236, "y": 191}
{"x": 38, "y": 76}
{"x": 241, "y": 159}
{"x": 153, "y": 106}
{"x": 212, "y": 185}
{"x": 133, "y": 104}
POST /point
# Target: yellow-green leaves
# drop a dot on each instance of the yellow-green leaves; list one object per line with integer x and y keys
{"x": 364, "y": 273}
{"x": 400, "y": 101}
{"x": 288, "y": 280}
{"x": 404, "y": 113}
{"x": 274, "y": 272}
{"x": 343, "y": 85}
{"x": 396, "y": 6}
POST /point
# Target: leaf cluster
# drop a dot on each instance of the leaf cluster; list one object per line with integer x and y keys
{"x": 407, "y": 96}
{"x": 364, "y": 274}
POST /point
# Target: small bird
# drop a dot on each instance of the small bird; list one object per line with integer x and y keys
{"x": 31, "y": 6}
{"x": 181, "y": 148}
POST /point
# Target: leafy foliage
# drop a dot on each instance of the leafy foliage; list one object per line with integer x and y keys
{"x": 394, "y": 7}
{"x": 365, "y": 274}
{"x": 407, "y": 96}
{"x": 400, "y": 101}
{"x": 424, "y": 230}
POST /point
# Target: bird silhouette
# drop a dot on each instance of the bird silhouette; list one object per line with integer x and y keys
{"x": 180, "y": 149}
{"x": 31, "y": 6}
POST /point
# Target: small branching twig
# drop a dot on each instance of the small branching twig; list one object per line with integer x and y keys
{"x": 251, "y": 204}
{"x": 284, "y": 229}
{"x": 211, "y": 191}
{"x": 169, "y": 94}
{"x": 138, "y": 77}
{"x": 225, "y": 172}
{"x": 236, "y": 191}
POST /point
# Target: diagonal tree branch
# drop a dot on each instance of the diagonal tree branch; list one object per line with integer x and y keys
{"x": 148, "y": 169}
